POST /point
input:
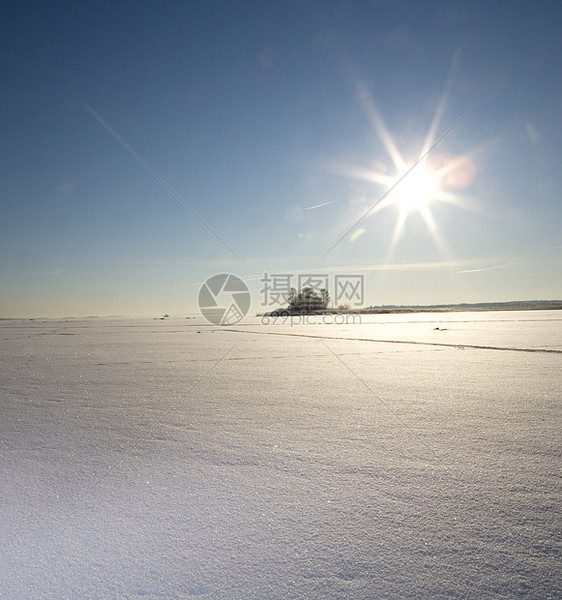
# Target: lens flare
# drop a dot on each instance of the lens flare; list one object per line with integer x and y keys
{"x": 417, "y": 186}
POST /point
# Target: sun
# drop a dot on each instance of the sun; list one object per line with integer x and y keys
{"x": 414, "y": 190}
{"x": 416, "y": 187}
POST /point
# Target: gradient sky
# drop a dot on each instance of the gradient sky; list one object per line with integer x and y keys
{"x": 267, "y": 119}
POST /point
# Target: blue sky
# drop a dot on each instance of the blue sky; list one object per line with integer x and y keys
{"x": 256, "y": 112}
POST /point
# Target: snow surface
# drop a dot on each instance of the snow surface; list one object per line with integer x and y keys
{"x": 173, "y": 459}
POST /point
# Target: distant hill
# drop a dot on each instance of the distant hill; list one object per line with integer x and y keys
{"x": 514, "y": 305}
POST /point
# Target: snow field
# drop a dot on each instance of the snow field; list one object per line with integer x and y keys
{"x": 142, "y": 459}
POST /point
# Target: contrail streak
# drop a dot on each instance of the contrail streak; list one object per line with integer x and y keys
{"x": 319, "y": 205}
{"x": 156, "y": 176}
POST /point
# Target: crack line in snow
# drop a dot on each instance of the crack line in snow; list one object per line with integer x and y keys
{"x": 385, "y": 404}
{"x": 351, "y": 339}
{"x": 112, "y": 468}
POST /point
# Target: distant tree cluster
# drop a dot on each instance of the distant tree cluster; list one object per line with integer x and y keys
{"x": 308, "y": 300}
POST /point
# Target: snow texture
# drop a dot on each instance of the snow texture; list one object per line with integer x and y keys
{"x": 150, "y": 459}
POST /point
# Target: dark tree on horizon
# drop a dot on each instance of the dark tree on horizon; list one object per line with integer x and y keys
{"x": 308, "y": 300}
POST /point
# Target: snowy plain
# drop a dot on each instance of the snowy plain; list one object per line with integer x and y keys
{"x": 409, "y": 456}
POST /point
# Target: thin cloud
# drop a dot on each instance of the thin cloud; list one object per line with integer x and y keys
{"x": 319, "y": 205}
{"x": 485, "y": 269}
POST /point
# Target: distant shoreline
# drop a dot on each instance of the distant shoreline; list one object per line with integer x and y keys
{"x": 370, "y": 310}
{"x": 433, "y": 308}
